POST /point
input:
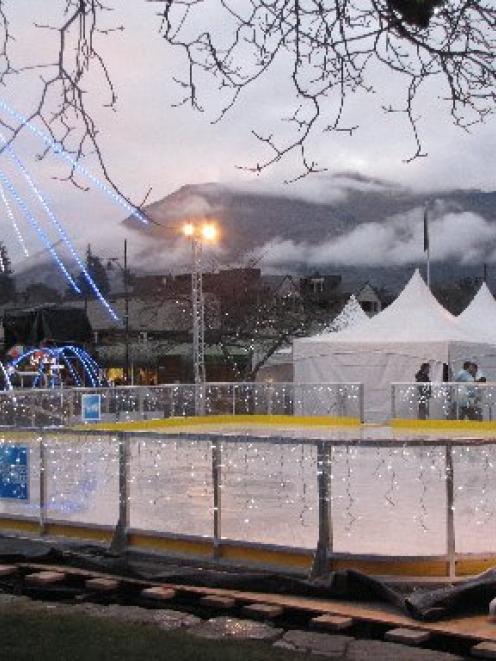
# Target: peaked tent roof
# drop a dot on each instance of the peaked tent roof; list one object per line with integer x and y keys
{"x": 414, "y": 317}
{"x": 351, "y": 315}
{"x": 480, "y": 315}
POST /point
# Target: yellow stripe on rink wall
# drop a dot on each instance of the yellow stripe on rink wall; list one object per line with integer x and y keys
{"x": 449, "y": 425}
{"x": 190, "y": 421}
{"x": 249, "y": 555}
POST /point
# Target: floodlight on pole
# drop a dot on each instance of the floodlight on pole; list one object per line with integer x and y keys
{"x": 198, "y": 234}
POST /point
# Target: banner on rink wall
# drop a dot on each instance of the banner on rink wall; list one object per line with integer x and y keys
{"x": 14, "y": 472}
{"x": 91, "y": 407}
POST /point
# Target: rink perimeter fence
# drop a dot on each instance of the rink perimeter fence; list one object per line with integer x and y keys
{"x": 417, "y": 507}
{"x": 444, "y": 401}
{"x": 65, "y": 406}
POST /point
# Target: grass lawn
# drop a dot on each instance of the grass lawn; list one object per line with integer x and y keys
{"x": 64, "y": 637}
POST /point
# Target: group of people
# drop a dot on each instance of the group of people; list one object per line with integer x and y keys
{"x": 467, "y": 404}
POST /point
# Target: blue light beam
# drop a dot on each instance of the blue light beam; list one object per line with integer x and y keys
{"x": 60, "y": 229}
{"x": 57, "y": 148}
{"x": 41, "y": 233}
{"x": 11, "y": 216}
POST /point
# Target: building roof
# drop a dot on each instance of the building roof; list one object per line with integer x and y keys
{"x": 149, "y": 314}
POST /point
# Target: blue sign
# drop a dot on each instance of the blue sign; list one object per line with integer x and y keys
{"x": 91, "y": 408}
{"x": 14, "y": 474}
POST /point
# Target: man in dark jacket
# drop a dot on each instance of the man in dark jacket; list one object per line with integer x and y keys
{"x": 424, "y": 392}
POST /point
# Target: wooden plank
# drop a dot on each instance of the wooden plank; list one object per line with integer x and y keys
{"x": 218, "y": 601}
{"x": 158, "y": 593}
{"x": 331, "y": 622}
{"x": 267, "y": 611}
{"x": 473, "y": 627}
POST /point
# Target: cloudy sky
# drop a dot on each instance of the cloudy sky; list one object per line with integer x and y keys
{"x": 148, "y": 143}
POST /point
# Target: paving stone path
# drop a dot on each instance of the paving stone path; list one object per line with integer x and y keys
{"x": 332, "y": 646}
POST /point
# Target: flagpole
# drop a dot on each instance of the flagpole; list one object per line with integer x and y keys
{"x": 427, "y": 246}
{"x": 429, "y": 267}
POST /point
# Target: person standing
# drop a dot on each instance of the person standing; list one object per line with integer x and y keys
{"x": 465, "y": 394}
{"x": 424, "y": 392}
{"x": 479, "y": 395}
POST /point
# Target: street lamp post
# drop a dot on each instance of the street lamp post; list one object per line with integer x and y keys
{"x": 198, "y": 234}
{"x": 125, "y": 278}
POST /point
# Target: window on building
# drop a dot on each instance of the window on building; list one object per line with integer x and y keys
{"x": 317, "y": 285}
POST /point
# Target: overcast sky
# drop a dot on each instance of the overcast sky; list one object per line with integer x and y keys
{"x": 147, "y": 143}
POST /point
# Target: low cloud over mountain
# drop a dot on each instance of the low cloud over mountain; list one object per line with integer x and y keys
{"x": 325, "y": 223}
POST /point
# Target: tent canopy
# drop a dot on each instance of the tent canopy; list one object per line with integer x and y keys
{"x": 351, "y": 315}
{"x": 390, "y": 347}
{"x": 480, "y": 315}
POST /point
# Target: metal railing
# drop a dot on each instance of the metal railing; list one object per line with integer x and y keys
{"x": 444, "y": 401}
{"x": 61, "y": 407}
{"x": 345, "y": 498}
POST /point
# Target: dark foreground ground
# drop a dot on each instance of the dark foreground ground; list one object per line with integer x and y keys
{"x": 48, "y": 631}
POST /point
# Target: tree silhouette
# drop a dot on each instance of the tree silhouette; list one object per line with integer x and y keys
{"x": 7, "y": 283}
{"x": 98, "y": 273}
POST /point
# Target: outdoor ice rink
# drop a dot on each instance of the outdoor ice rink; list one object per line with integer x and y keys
{"x": 384, "y": 500}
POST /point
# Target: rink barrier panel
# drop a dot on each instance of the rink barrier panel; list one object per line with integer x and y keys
{"x": 443, "y": 403}
{"x": 319, "y": 562}
{"x": 63, "y": 407}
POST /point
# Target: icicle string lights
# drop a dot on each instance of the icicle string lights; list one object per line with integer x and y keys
{"x": 262, "y": 482}
{"x": 445, "y": 401}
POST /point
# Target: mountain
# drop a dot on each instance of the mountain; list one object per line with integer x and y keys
{"x": 335, "y": 224}
{"x": 363, "y": 228}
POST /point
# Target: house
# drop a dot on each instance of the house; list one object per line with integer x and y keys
{"x": 157, "y": 345}
{"x": 331, "y": 292}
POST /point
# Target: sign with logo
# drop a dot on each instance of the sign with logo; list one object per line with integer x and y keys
{"x": 14, "y": 473}
{"x": 91, "y": 407}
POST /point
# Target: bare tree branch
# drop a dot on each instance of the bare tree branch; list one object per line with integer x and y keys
{"x": 62, "y": 106}
{"x": 333, "y": 49}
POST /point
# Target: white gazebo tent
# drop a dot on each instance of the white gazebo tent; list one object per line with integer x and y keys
{"x": 390, "y": 347}
{"x": 351, "y": 315}
{"x": 480, "y": 315}
{"x": 279, "y": 367}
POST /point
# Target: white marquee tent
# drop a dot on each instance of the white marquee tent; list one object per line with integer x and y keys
{"x": 351, "y": 315}
{"x": 480, "y": 315}
{"x": 279, "y": 367}
{"x": 390, "y": 347}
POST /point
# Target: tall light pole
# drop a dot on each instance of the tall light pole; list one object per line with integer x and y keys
{"x": 198, "y": 234}
{"x": 125, "y": 278}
